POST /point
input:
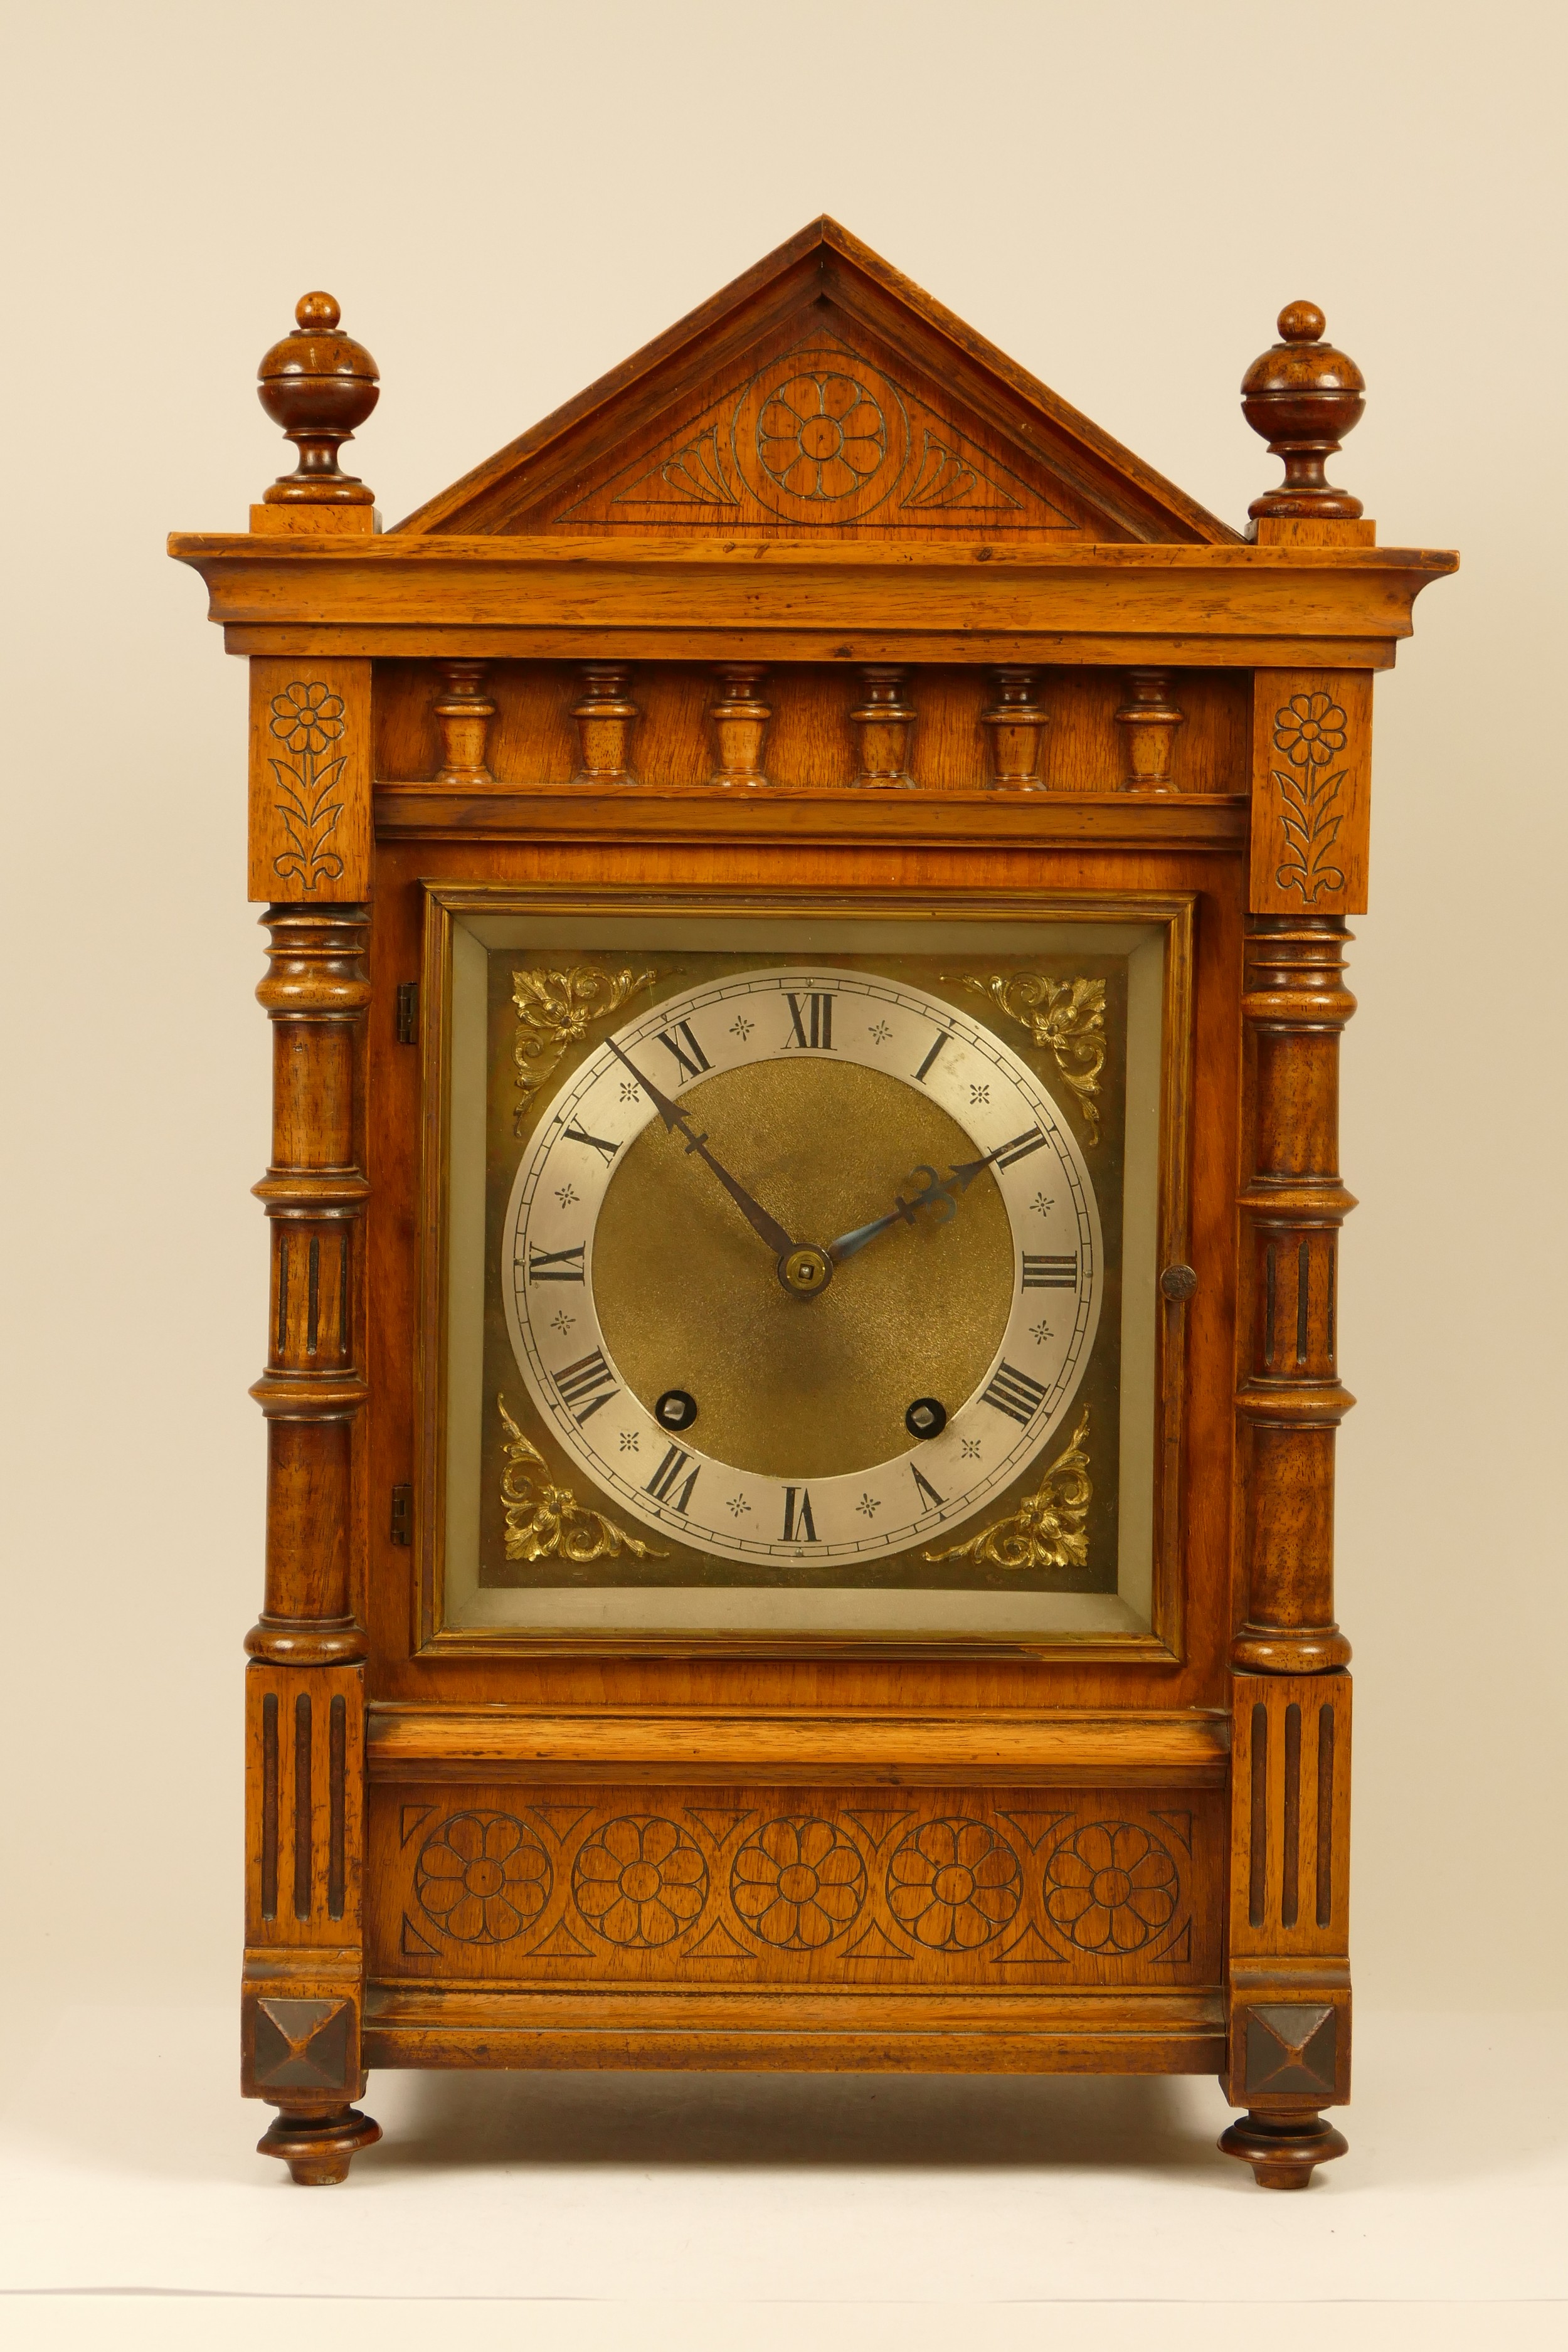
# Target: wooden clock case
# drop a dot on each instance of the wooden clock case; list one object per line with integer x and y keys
{"x": 984, "y": 651}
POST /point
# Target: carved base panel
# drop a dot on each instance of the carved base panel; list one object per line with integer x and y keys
{"x": 927, "y": 1888}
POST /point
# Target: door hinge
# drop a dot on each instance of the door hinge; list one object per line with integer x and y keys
{"x": 403, "y": 1514}
{"x": 407, "y": 1011}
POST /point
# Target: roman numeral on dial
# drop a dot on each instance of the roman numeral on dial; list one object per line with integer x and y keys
{"x": 1050, "y": 1273}
{"x": 688, "y": 1054}
{"x": 555, "y": 1265}
{"x": 586, "y": 1384}
{"x": 1019, "y": 1149}
{"x": 930, "y": 1498}
{"x": 941, "y": 1038}
{"x": 1013, "y": 1393}
{"x": 813, "y": 1024}
{"x": 594, "y": 1142}
{"x": 799, "y": 1525}
{"x": 662, "y": 1485}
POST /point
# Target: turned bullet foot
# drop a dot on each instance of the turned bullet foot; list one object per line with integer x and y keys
{"x": 1282, "y": 2150}
{"x": 319, "y": 2149}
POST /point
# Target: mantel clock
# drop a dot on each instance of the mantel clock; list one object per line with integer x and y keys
{"x": 808, "y": 909}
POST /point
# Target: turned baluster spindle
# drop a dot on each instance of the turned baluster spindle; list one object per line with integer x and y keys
{"x": 1291, "y": 1402}
{"x": 1017, "y": 722}
{"x": 605, "y": 717}
{"x": 319, "y": 386}
{"x": 1148, "y": 720}
{"x": 740, "y": 718}
{"x": 883, "y": 722}
{"x": 315, "y": 993}
{"x": 1303, "y": 396}
{"x": 465, "y": 712}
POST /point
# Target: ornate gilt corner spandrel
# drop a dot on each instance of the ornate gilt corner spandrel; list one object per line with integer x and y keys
{"x": 544, "y": 1522}
{"x": 310, "y": 780}
{"x": 555, "y": 1009}
{"x": 1311, "y": 792}
{"x": 1047, "y": 1530}
{"x": 1063, "y": 1017}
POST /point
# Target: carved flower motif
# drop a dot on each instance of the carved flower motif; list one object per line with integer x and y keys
{"x": 797, "y": 1882}
{"x": 306, "y": 717}
{"x": 482, "y": 1877}
{"x": 641, "y": 1881}
{"x": 1110, "y": 1888}
{"x": 954, "y": 1885}
{"x": 821, "y": 435}
{"x": 1310, "y": 730}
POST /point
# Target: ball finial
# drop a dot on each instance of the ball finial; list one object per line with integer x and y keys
{"x": 1303, "y": 396}
{"x": 1300, "y": 322}
{"x": 319, "y": 386}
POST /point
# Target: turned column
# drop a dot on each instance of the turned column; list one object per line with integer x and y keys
{"x": 1290, "y": 1399}
{"x": 739, "y": 719}
{"x": 606, "y": 718}
{"x": 312, "y": 854}
{"x": 315, "y": 993}
{"x": 1288, "y": 2026}
{"x": 464, "y": 710}
{"x": 883, "y": 722}
{"x": 1016, "y": 723}
{"x": 1147, "y": 723}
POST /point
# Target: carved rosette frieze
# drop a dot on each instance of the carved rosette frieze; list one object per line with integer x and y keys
{"x": 739, "y": 717}
{"x": 883, "y": 721}
{"x": 1015, "y": 725}
{"x": 1290, "y": 1400}
{"x": 1147, "y": 721}
{"x": 890, "y": 1885}
{"x": 464, "y": 711}
{"x": 605, "y": 717}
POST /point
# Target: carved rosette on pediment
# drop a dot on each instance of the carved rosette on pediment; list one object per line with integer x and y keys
{"x": 822, "y": 437}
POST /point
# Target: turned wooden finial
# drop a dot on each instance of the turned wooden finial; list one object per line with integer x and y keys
{"x": 1303, "y": 396}
{"x": 319, "y": 386}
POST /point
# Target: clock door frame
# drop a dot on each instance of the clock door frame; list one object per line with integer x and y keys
{"x": 447, "y": 902}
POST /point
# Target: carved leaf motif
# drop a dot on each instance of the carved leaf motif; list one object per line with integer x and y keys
{"x": 546, "y": 1522}
{"x": 693, "y": 477}
{"x": 946, "y": 479}
{"x": 1047, "y": 1530}
{"x": 1311, "y": 825}
{"x": 554, "y": 1009}
{"x": 309, "y": 819}
{"x": 1066, "y": 1017}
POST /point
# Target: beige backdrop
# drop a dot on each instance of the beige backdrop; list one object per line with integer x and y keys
{"x": 506, "y": 199}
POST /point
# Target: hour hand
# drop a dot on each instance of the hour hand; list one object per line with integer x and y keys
{"x": 677, "y": 1122}
{"x": 901, "y": 1214}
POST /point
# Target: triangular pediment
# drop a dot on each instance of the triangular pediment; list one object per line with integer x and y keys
{"x": 820, "y": 392}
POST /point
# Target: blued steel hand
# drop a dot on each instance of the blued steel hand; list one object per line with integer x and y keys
{"x": 903, "y": 1211}
{"x": 676, "y": 1121}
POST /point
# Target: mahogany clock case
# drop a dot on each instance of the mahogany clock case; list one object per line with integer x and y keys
{"x": 817, "y": 643}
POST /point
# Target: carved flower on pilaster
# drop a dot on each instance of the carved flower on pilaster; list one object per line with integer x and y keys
{"x": 1310, "y": 730}
{"x": 306, "y": 717}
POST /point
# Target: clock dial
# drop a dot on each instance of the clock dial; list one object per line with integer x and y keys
{"x": 803, "y": 1264}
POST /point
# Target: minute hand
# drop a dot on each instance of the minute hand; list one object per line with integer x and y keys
{"x": 903, "y": 1211}
{"x": 677, "y": 1121}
